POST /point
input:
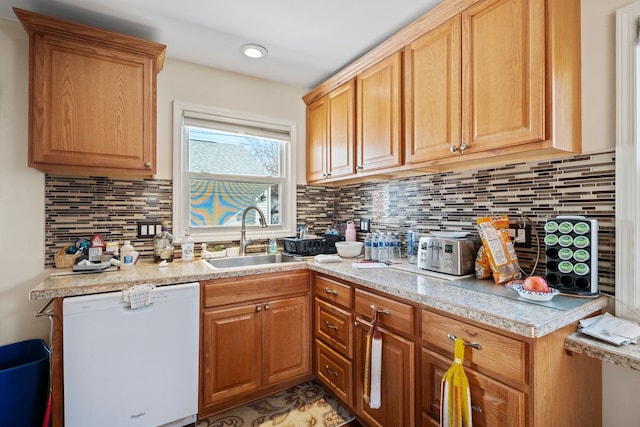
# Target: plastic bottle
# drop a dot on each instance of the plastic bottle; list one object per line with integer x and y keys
{"x": 367, "y": 247}
{"x": 383, "y": 246}
{"x": 375, "y": 240}
{"x": 188, "y": 248}
{"x": 350, "y": 233}
{"x": 127, "y": 256}
{"x": 394, "y": 249}
{"x": 272, "y": 249}
{"x": 411, "y": 246}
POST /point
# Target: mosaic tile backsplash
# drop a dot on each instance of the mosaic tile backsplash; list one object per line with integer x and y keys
{"x": 579, "y": 185}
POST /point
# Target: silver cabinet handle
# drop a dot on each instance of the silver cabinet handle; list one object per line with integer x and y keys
{"x": 331, "y": 291}
{"x": 258, "y": 308}
{"x": 380, "y": 310}
{"x": 267, "y": 306}
{"x": 453, "y": 149}
{"x": 476, "y": 408}
{"x": 330, "y": 371}
{"x": 330, "y": 326}
{"x": 463, "y": 147}
{"x": 147, "y": 164}
{"x": 467, "y": 344}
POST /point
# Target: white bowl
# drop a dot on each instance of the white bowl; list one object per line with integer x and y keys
{"x": 536, "y": 296}
{"x": 349, "y": 249}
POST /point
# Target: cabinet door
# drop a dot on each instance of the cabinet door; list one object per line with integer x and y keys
{"x": 287, "y": 339}
{"x": 341, "y": 128}
{"x": 226, "y": 373}
{"x": 433, "y": 93}
{"x": 398, "y": 380}
{"x": 93, "y": 109}
{"x": 378, "y": 115}
{"x": 503, "y": 48}
{"x": 317, "y": 139}
{"x": 495, "y": 404}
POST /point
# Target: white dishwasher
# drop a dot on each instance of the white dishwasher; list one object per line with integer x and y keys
{"x": 132, "y": 367}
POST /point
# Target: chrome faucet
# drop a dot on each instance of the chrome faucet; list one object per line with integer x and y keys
{"x": 243, "y": 232}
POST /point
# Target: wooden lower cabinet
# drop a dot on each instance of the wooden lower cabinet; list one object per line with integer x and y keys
{"x": 398, "y": 380}
{"x": 253, "y": 348}
{"x": 494, "y": 404}
{"x": 237, "y": 369}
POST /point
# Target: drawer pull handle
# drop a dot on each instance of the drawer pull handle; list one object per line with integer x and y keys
{"x": 330, "y": 326}
{"x": 476, "y": 408}
{"x": 468, "y": 344}
{"x": 380, "y": 310}
{"x": 331, "y": 291}
{"x": 330, "y": 371}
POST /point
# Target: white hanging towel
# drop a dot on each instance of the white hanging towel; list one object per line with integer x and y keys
{"x": 138, "y": 295}
{"x": 373, "y": 364}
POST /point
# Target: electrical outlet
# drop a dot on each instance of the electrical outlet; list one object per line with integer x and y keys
{"x": 520, "y": 236}
{"x": 147, "y": 229}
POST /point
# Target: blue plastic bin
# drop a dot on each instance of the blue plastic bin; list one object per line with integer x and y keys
{"x": 24, "y": 383}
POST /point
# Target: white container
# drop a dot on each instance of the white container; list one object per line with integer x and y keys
{"x": 188, "y": 248}
{"x": 127, "y": 256}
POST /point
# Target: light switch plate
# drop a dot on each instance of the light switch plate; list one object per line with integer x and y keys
{"x": 148, "y": 229}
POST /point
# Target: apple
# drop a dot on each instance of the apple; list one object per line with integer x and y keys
{"x": 536, "y": 284}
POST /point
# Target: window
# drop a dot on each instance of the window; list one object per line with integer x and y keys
{"x": 627, "y": 160}
{"x": 226, "y": 161}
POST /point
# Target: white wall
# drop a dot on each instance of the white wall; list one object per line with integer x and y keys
{"x": 195, "y": 84}
{"x": 598, "y": 74}
{"x": 21, "y": 197}
{"x": 620, "y": 385}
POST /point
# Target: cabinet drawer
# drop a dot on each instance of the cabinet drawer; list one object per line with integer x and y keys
{"x": 260, "y": 287}
{"x": 335, "y": 371}
{"x": 334, "y": 326}
{"x": 500, "y": 356}
{"x": 333, "y": 291}
{"x": 494, "y": 404}
{"x": 395, "y": 315}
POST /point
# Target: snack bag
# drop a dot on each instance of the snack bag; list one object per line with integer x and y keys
{"x": 483, "y": 269}
{"x": 499, "y": 248}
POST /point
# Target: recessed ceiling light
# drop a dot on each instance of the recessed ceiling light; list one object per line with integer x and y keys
{"x": 253, "y": 50}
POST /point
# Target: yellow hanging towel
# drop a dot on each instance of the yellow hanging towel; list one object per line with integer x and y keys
{"x": 455, "y": 397}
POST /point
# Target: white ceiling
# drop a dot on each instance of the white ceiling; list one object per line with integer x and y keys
{"x": 307, "y": 40}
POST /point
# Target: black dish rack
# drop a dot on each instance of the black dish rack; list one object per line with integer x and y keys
{"x": 320, "y": 245}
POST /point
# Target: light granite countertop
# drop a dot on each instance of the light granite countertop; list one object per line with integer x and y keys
{"x": 624, "y": 355}
{"x": 481, "y": 301}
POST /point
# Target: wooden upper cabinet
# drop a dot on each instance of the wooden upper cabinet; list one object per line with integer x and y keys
{"x": 379, "y": 107}
{"x": 503, "y": 51}
{"x": 92, "y": 99}
{"x": 471, "y": 83}
{"x": 317, "y": 140}
{"x": 433, "y": 93}
{"x": 331, "y": 134}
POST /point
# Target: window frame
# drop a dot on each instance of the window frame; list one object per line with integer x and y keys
{"x": 181, "y": 181}
{"x": 627, "y": 161}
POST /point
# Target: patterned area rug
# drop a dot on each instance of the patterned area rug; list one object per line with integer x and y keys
{"x": 307, "y": 404}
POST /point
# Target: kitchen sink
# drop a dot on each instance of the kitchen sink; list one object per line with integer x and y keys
{"x": 251, "y": 260}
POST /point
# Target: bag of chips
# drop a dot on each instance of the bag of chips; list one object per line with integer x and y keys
{"x": 483, "y": 269}
{"x": 499, "y": 248}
